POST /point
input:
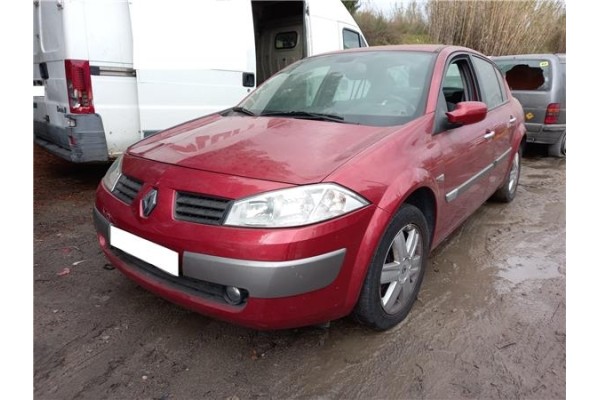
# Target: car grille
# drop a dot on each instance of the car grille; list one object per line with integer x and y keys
{"x": 200, "y": 209}
{"x": 127, "y": 188}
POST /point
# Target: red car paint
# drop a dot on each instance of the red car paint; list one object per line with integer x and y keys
{"x": 239, "y": 156}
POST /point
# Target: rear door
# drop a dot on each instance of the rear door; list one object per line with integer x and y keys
{"x": 502, "y": 119}
{"x": 192, "y": 58}
{"x": 48, "y": 64}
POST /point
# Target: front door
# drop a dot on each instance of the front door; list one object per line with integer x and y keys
{"x": 467, "y": 156}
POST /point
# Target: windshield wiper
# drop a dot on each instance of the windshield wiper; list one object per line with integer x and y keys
{"x": 243, "y": 111}
{"x": 304, "y": 114}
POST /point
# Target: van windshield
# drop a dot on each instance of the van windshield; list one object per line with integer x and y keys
{"x": 370, "y": 88}
{"x": 526, "y": 74}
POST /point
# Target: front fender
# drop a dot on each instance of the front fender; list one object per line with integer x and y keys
{"x": 407, "y": 183}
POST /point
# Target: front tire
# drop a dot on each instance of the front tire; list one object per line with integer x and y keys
{"x": 396, "y": 271}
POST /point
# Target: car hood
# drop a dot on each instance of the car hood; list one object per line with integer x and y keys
{"x": 295, "y": 151}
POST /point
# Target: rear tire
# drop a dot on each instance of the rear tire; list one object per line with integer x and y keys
{"x": 507, "y": 192}
{"x": 396, "y": 271}
{"x": 559, "y": 149}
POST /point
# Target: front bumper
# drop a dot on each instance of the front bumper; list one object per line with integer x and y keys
{"x": 261, "y": 279}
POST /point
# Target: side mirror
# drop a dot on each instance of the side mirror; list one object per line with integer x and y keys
{"x": 467, "y": 112}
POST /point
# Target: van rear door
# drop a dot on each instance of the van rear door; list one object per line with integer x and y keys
{"x": 65, "y": 120}
{"x": 49, "y": 66}
{"x": 191, "y": 58}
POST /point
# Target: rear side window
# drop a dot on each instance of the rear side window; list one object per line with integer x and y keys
{"x": 526, "y": 74}
{"x": 488, "y": 82}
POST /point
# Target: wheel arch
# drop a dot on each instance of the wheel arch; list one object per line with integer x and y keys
{"x": 421, "y": 193}
{"x": 424, "y": 199}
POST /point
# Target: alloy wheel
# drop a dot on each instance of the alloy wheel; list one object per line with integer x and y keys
{"x": 401, "y": 269}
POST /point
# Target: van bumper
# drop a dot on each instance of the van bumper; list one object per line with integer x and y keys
{"x": 84, "y": 142}
{"x": 544, "y": 134}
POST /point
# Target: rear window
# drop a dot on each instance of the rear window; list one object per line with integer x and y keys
{"x": 526, "y": 74}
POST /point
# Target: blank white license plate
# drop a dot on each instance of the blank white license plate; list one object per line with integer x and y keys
{"x": 152, "y": 253}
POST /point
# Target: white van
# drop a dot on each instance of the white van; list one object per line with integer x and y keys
{"x": 116, "y": 71}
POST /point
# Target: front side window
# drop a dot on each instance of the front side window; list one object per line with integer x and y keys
{"x": 455, "y": 85}
{"x": 351, "y": 39}
{"x": 372, "y": 88}
{"x": 488, "y": 82}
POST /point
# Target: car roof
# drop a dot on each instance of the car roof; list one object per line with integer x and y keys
{"x": 428, "y": 48}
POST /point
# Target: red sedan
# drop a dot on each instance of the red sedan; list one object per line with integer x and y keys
{"x": 322, "y": 193}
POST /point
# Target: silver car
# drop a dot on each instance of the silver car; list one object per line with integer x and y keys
{"x": 538, "y": 81}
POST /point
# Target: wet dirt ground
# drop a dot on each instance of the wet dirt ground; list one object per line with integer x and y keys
{"x": 489, "y": 321}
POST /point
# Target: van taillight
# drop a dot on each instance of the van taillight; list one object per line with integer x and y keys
{"x": 79, "y": 86}
{"x": 552, "y": 113}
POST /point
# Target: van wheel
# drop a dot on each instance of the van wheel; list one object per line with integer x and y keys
{"x": 396, "y": 271}
{"x": 507, "y": 192}
{"x": 559, "y": 149}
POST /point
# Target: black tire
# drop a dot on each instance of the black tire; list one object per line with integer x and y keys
{"x": 559, "y": 149}
{"x": 507, "y": 192}
{"x": 371, "y": 309}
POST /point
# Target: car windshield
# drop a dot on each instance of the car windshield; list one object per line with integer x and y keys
{"x": 369, "y": 88}
{"x": 526, "y": 74}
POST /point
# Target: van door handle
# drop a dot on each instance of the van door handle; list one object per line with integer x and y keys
{"x": 248, "y": 79}
{"x": 489, "y": 135}
{"x": 512, "y": 120}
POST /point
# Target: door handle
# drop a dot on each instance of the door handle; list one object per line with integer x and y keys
{"x": 489, "y": 135}
{"x": 512, "y": 120}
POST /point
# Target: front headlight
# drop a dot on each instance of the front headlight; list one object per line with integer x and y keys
{"x": 113, "y": 174}
{"x": 295, "y": 206}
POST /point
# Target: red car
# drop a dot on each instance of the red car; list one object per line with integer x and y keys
{"x": 322, "y": 193}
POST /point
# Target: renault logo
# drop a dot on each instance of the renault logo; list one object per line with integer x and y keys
{"x": 149, "y": 202}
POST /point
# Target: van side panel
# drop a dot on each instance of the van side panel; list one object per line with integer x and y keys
{"x": 195, "y": 69}
{"x": 115, "y": 99}
{"x": 110, "y": 51}
{"x": 109, "y": 42}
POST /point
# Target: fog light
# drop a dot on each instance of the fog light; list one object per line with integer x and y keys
{"x": 234, "y": 295}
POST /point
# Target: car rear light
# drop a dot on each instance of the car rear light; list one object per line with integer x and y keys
{"x": 79, "y": 86}
{"x": 552, "y": 113}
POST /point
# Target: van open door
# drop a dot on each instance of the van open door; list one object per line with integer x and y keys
{"x": 191, "y": 58}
